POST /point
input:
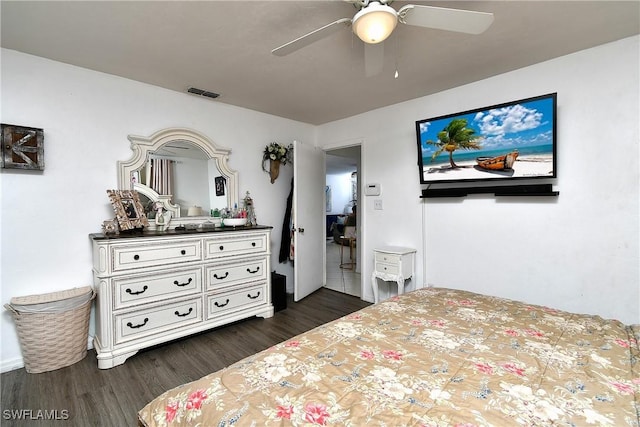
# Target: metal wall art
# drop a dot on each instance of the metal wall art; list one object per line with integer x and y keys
{"x": 22, "y": 147}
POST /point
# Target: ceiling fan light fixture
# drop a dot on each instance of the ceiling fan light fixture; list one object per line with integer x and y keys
{"x": 374, "y": 23}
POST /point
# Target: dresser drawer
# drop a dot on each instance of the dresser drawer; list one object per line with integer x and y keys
{"x": 223, "y": 303}
{"x": 223, "y": 275}
{"x": 148, "y": 288}
{"x": 387, "y": 268}
{"x": 240, "y": 245}
{"x": 126, "y": 257}
{"x": 141, "y": 323}
{"x": 390, "y": 258}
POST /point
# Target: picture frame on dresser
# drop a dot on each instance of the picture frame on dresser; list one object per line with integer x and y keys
{"x": 128, "y": 209}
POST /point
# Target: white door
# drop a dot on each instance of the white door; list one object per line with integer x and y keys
{"x": 308, "y": 219}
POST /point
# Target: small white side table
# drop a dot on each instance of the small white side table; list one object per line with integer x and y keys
{"x": 392, "y": 264}
{"x": 351, "y": 241}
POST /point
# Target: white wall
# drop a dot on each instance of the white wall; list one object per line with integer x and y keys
{"x": 577, "y": 252}
{"x": 46, "y": 217}
{"x": 340, "y": 192}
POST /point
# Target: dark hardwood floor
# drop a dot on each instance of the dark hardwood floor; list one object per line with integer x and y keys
{"x": 82, "y": 395}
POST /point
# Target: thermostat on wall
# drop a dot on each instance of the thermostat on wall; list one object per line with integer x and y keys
{"x": 372, "y": 190}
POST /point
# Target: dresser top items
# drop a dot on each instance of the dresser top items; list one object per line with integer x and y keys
{"x": 168, "y": 233}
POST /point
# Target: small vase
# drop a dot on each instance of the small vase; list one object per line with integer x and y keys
{"x": 162, "y": 220}
{"x": 274, "y": 169}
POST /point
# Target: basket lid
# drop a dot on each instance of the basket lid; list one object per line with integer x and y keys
{"x": 53, "y": 301}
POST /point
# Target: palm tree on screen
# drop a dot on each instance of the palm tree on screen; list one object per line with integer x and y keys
{"x": 456, "y": 135}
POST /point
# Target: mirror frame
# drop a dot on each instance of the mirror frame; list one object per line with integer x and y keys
{"x": 142, "y": 146}
{"x": 165, "y": 199}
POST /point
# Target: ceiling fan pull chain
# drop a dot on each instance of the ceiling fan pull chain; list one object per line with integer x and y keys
{"x": 397, "y": 54}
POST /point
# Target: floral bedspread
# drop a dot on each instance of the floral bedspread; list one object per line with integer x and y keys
{"x": 432, "y": 357}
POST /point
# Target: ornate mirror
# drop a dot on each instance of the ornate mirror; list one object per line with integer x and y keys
{"x": 198, "y": 178}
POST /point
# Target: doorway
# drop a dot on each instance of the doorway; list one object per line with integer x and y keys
{"x": 342, "y": 186}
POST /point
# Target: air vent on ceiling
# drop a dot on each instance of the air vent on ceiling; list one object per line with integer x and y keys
{"x": 201, "y": 92}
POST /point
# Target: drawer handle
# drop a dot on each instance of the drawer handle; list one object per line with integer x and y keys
{"x": 146, "y": 319}
{"x": 177, "y": 313}
{"x": 130, "y": 292}
{"x": 221, "y": 277}
{"x": 249, "y": 296}
{"x": 175, "y": 282}
{"x": 136, "y": 257}
{"x": 217, "y": 304}
{"x": 253, "y": 244}
{"x": 254, "y": 271}
{"x": 221, "y": 248}
{"x": 183, "y": 252}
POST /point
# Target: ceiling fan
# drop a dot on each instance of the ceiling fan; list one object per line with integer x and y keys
{"x": 376, "y": 20}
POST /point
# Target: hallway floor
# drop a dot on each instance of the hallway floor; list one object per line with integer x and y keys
{"x": 341, "y": 279}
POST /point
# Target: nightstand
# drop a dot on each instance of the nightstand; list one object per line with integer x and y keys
{"x": 392, "y": 264}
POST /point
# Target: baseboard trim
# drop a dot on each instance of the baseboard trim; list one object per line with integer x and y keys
{"x": 11, "y": 365}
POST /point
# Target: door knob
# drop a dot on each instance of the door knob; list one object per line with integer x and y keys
{"x": 301, "y": 230}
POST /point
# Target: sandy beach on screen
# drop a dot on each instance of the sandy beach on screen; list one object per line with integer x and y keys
{"x": 524, "y": 166}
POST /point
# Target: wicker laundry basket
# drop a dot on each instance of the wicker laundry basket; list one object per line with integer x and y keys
{"x": 53, "y": 328}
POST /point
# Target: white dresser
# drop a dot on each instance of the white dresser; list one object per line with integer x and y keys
{"x": 392, "y": 263}
{"x": 156, "y": 287}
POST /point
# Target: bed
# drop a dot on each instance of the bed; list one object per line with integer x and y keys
{"x": 431, "y": 357}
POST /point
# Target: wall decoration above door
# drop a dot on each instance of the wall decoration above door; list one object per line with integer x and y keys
{"x": 276, "y": 155}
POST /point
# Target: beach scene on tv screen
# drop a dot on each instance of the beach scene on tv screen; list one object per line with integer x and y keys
{"x": 514, "y": 140}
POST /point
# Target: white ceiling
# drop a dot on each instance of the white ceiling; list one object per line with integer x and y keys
{"x": 343, "y": 160}
{"x": 225, "y": 47}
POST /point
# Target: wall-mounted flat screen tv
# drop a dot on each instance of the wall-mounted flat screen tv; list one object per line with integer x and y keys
{"x": 514, "y": 140}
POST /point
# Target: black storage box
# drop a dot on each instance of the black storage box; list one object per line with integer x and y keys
{"x": 278, "y": 291}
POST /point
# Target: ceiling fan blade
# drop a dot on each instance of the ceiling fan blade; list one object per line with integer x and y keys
{"x": 462, "y": 21}
{"x": 373, "y": 59}
{"x": 311, "y": 37}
